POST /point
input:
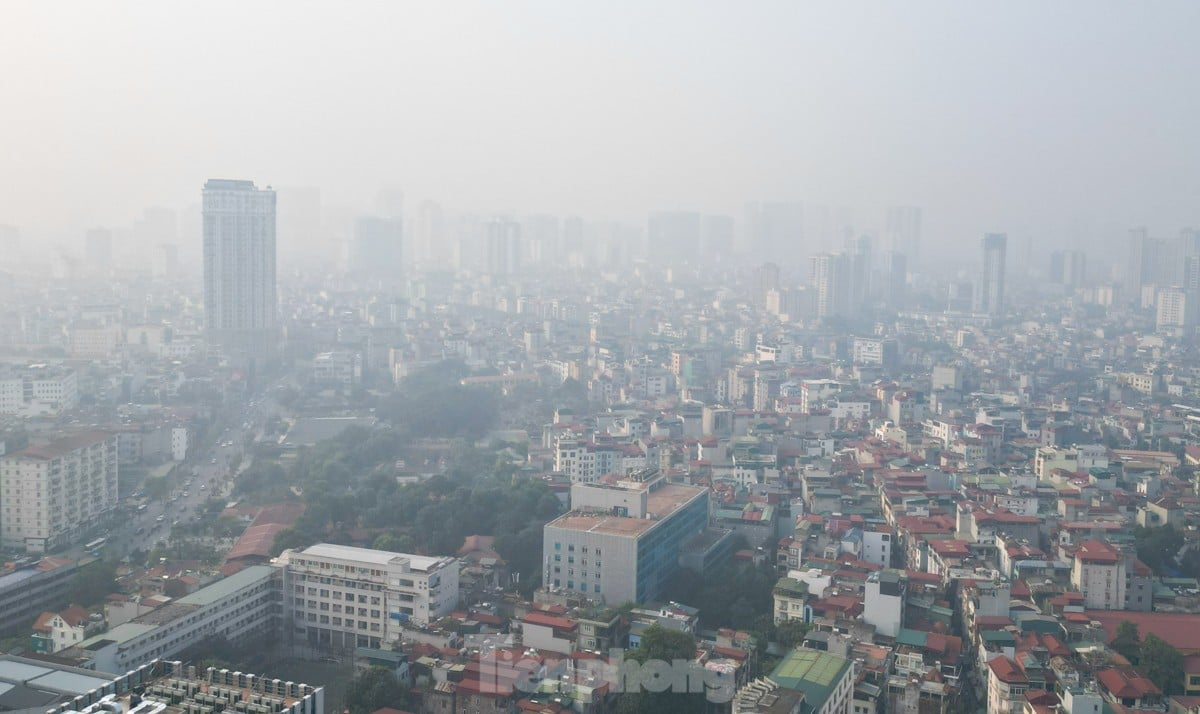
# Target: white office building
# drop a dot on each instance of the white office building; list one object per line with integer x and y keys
{"x": 37, "y": 391}
{"x": 343, "y": 597}
{"x": 51, "y": 494}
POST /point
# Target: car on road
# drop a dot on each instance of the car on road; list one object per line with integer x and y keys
{"x": 202, "y": 487}
{"x": 160, "y": 519}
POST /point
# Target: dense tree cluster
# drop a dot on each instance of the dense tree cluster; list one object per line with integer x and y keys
{"x": 433, "y": 403}
{"x": 349, "y": 483}
{"x": 376, "y": 688}
{"x": 668, "y": 646}
{"x": 736, "y": 595}
{"x": 1156, "y": 547}
{"x": 1154, "y": 657}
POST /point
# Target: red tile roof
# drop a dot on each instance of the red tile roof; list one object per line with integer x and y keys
{"x": 1180, "y": 630}
{"x": 1007, "y": 671}
{"x": 1126, "y": 684}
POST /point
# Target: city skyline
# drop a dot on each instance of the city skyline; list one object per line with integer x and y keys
{"x": 607, "y": 131}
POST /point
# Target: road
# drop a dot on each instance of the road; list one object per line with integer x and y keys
{"x": 203, "y": 474}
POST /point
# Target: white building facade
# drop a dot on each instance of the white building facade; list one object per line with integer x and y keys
{"x": 342, "y": 597}
{"x": 37, "y": 391}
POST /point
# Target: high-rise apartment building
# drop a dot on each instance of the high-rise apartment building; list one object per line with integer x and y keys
{"x": 240, "y": 301}
{"x": 1151, "y": 262}
{"x": 775, "y": 231}
{"x": 376, "y": 250}
{"x": 1068, "y": 267}
{"x": 989, "y": 292}
{"x": 503, "y": 247}
{"x": 1175, "y": 309}
{"x": 903, "y": 231}
{"x": 51, "y": 494}
{"x": 831, "y": 278}
{"x": 673, "y": 237}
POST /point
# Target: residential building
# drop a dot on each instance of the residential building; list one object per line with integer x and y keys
{"x": 375, "y": 251}
{"x": 503, "y": 247}
{"x": 791, "y": 597}
{"x": 50, "y": 495}
{"x": 989, "y": 293}
{"x": 880, "y": 352}
{"x": 1006, "y": 686}
{"x": 884, "y": 600}
{"x": 54, "y": 631}
{"x": 1098, "y": 572}
{"x": 903, "y": 231}
{"x": 240, "y": 301}
{"x": 343, "y": 597}
{"x": 622, "y": 539}
{"x": 1175, "y": 309}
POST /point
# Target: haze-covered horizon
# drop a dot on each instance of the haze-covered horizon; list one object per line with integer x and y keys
{"x": 1061, "y": 124}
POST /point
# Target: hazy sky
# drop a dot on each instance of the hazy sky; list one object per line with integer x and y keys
{"x": 1056, "y": 120}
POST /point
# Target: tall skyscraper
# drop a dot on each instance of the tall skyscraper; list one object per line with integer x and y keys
{"x": 503, "y": 247}
{"x": 830, "y": 273}
{"x": 903, "y": 231}
{"x": 989, "y": 293}
{"x": 1067, "y": 267}
{"x": 376, "y": 250}
{"x": 673, "y": 237}
{"x": 240, "y": 301}
{"x": 775, "y": 232}
{"x": 1153, "y": 261}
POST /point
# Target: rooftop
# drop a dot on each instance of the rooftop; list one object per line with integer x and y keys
{"x": 812, "y": 672}
{"x": 172, "y": 688}
{"x": 661, "y": 502}
{"x": 29, "y": 684}
{"x": 376, "y": 557}
{"x": 62, "y": 446}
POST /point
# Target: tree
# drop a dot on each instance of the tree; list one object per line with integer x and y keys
{"x": 1127, "y": 641}
{"x": 1162, "y": 664}
{"x": 373, "y": 689}
{"x": 1157, "y": 547}
{"x": 790, "y": 633}
{"x": 93, "y": 582}
{"x": 390, "y": 542}
{"x": 662, "y": 645}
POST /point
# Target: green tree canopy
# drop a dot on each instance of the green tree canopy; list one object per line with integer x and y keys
{"x": 669, "y": 646}
{"x": 1162, "y": 664}
{"x": 790, "y": 633}
{"x": 93, "y": 582}
{"x": 373, "y": 689}
{"x": 1127, "y": 642}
